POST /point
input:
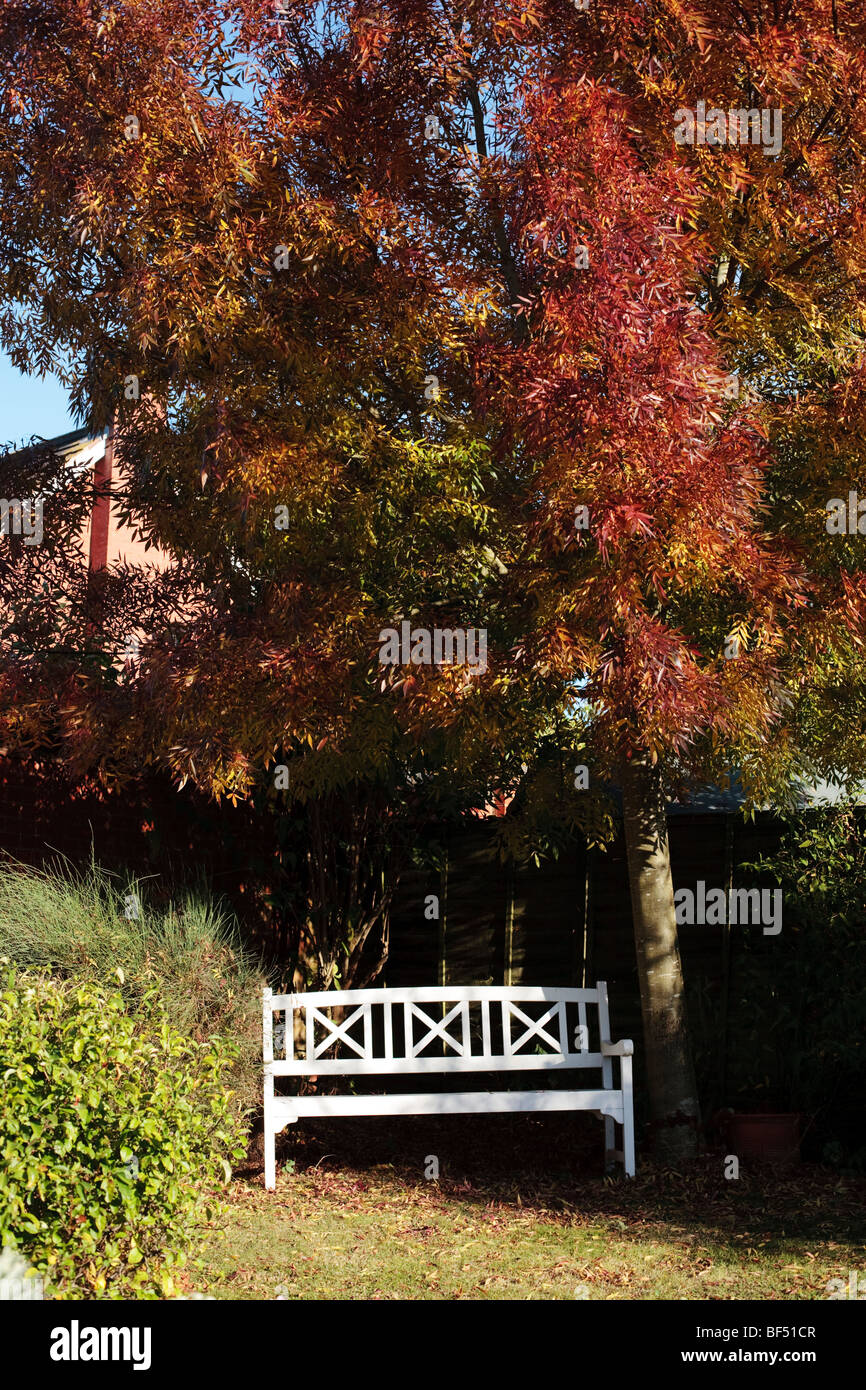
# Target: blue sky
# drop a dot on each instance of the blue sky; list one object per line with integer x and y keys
{"x": 30, "y": 405}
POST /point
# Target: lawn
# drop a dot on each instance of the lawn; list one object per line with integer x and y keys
{"x": 346, "y": 1225}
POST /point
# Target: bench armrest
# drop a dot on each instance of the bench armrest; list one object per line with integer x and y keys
{"x": 624, "y": 1048}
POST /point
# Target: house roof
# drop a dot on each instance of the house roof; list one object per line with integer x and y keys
{"x": 68, "y": 446}
{"x": 711, "y": 800}
{"x": 64, "y": 443}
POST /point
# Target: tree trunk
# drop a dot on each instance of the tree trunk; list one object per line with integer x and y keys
{"x": 674, "y": 1109}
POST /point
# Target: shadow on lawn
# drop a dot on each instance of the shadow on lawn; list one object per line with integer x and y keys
{"x": 554, "y": 1164}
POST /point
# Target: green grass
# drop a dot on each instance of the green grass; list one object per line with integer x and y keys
{"x": 344, "y": 1230}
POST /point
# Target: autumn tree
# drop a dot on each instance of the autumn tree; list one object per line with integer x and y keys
{"x": 434, "y": 317}
{"x": 688, "y": 380}
{"x": 265, "y": 335}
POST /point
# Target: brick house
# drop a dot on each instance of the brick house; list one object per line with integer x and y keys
{"x": 107, "y": 540}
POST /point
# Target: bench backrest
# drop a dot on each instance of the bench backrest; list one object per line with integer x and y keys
{"x": 452, "y": 1028}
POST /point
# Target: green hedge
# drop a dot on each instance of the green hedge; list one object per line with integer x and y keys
{"x": 113, "y": 1131}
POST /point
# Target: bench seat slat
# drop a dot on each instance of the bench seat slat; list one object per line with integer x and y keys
{"x": 448, "y": 1103}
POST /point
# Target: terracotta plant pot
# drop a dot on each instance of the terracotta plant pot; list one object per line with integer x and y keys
{"x": 770, "y": 1138}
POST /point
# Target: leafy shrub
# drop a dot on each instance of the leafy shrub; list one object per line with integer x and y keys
{"x": 75, "y": 925}
{"x": 112, "y": 1130}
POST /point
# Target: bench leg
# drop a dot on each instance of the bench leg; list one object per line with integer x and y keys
{"x": 627, "y": 1118}
{"x": 274, "y": 1124}
{"x": 609, "y": 1139}
{"x": 610, "y": 1151}
{"x": 270, "y": 1134}
{"x": 270, "y": 1160}
{"x": 271, "y": 1151}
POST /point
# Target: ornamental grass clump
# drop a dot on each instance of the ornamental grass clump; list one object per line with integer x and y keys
{"x": 87, "y": 926}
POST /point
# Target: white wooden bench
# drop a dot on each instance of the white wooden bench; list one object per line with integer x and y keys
{"x": 476, "y": 1028}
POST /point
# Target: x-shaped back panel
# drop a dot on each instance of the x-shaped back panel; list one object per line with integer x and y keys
{"x": 337, "y": 1032}
{"x": 535, "y": 1028}
{"x": 437, "y": 1029}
